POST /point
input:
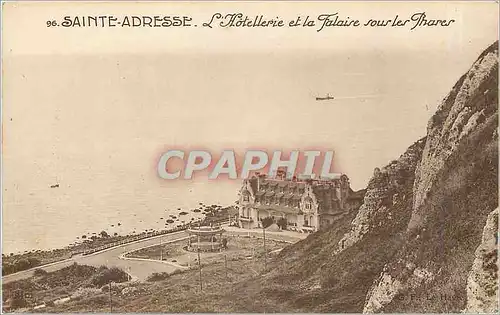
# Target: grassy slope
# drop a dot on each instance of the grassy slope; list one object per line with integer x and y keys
{"x": 308, "y": 277}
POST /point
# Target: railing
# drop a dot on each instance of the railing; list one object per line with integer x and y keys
{"x": 248, "y": 219}
{"x": 308, "y": 228}
{"x": 148, "y": 235}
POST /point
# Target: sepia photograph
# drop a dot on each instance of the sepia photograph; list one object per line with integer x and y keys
{"x": 250, "y": 157}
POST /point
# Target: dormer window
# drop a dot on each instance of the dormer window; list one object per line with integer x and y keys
{"x": 246, "y": 198}
{"x": 308, "y": 203}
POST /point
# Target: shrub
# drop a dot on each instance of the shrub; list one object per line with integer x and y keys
{"x": 156, "y": 276}
{"x": 176, "y": 272}
{"x": 39, "y": 273}
{"x": 282, "y": 223}
{"x": 105, "y": 276}
{"x": 18, "y": 302}
{"x": 19, "y": 265}
{"x": 159, "y": 276}
{"x": 267, "y": 221}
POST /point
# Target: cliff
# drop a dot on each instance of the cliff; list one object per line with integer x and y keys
{"x": 455, "y": 188}
{"x": 421, "y": 241}
{"x": 482, "y": 284}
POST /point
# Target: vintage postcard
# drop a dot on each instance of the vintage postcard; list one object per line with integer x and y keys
{"x": 250, "y": 157}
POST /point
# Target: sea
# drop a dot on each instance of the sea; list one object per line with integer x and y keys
{"x": 57, "y": 221}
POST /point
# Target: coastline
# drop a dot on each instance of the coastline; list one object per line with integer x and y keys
{"x": 16, "y": 263}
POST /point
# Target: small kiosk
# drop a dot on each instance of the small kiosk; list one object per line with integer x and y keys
{"x": 205, "y": 239}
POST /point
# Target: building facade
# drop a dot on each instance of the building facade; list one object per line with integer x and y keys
{"x": 307, "y": 205}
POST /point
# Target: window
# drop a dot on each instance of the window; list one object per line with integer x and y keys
{"x": 246, "y": 198}
{"x": 308, "y": 202}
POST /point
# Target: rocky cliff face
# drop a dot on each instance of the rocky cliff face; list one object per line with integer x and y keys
{"x": 455, "y": 189}
{"x": 470, "y": 107}
{"x": 388, "y": 189}
{"x": 416, "y": 244}
{"x": 482, "y": 284}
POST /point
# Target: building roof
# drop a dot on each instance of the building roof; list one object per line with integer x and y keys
{"x": 325, "y": 191}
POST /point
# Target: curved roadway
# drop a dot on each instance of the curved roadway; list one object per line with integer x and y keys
{"x": 138, "y": 269}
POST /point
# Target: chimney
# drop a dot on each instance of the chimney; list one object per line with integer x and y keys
{"x": 280, "y": 174}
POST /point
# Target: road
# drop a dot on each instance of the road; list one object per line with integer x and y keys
{"x": 139, "y": 269}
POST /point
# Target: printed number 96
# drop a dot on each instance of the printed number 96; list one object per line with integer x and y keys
{"x": 51, "y": 23}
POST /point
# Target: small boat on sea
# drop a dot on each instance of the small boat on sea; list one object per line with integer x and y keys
{"x": 327, "y": 97}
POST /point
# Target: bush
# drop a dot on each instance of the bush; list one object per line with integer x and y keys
{"x": 39, "y": 273}
{"x": 156, "y": 276}
{"x": 105, "y": 276}
{"x": 159, "y": 276}
{"x": 267, "y": 221}
{"x": 18, "y": 302}
{"x": 19, "y": 265}
{"x": 282, "y": 223}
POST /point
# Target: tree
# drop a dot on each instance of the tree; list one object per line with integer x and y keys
{"x": 104, "y": 234}
{"x": 267, "y": 221}
{"x": 282, "y": 223}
